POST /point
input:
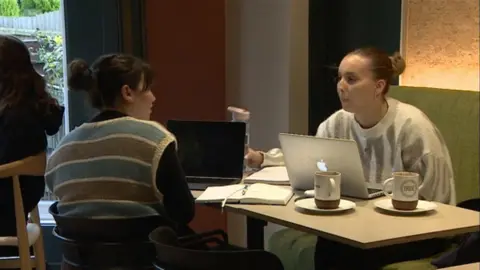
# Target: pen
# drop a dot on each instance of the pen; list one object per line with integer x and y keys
{"x": 244, "y": 190}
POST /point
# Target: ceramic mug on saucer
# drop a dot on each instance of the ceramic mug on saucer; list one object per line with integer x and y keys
{"x": 404, "y": 190}
{"x": 327, "y": 189}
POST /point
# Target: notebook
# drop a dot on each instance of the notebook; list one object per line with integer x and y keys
{"x": 248, "y": 194}
{"x": 270, "y": 175}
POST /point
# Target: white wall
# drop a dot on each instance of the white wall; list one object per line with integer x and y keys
{"x": 267, "y": 73}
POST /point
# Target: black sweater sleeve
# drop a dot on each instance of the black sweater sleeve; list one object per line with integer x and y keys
{"x": 22, "y": 131}
{"x": 22, "y": 134}
{"x": 177, "y": 197}
{"x": 53, "y": 120}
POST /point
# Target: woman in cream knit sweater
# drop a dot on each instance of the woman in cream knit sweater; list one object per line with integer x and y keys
{"x": 391, "y": 136}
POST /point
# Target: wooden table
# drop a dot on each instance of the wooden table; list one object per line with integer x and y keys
{"x": 254, "y": 229}
{"x": 366, "y": 227}
{"x": 471, "y": 266}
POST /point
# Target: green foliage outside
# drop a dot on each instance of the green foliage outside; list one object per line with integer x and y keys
{"x": 9, "y": 8}
{"x": 50, "y": 53}
{"x": 26, "y": 4}
{"x": 35, "y": 7}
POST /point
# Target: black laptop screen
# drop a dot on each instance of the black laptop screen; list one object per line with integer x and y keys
{"x": 210, "y": 149}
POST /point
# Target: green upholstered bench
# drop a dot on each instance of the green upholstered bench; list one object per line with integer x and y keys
{"x": 456, "y": 114}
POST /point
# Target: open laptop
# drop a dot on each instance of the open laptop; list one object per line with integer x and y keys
{"x": 302, "y": 153}
{"x": 211, "y": 153}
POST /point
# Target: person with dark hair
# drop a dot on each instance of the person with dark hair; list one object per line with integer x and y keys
{"x": 28, "y": 113}
{"x": 120, "y": 164}
{"x": 408, "y": 140}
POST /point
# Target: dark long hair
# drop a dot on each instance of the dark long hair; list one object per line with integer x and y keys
{"x": 20, "y": 84}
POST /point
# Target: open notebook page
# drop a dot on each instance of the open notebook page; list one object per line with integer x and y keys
{"x": 271, "y": 175}
{"x": 218, "y": 194}
{"x": 255, "y": 194}
{"x": 267, "y": 194}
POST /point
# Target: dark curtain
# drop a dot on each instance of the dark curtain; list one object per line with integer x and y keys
{"x": 93, "y": 28}
{"x": 336, "y": 28}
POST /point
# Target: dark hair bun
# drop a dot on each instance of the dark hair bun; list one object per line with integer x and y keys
{"x": 398, "y": 64}
{"x": 80, "y": 77}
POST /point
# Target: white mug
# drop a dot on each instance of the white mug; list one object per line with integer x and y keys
{"x": 327, "y": 189}
{"x": 404, "y": 186}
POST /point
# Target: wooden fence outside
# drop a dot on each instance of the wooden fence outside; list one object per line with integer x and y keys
{"x": 50, "y": 21}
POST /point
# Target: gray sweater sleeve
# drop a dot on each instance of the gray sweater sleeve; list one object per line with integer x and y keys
{"x": 436, "y": 178}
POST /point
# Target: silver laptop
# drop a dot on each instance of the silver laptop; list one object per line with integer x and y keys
{"x": 302, "y": 153}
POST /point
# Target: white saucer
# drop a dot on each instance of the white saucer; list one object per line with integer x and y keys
{"x": 310, "y": 193}
{"x": 422, "y": 207}
{"x": 309, "y": 204}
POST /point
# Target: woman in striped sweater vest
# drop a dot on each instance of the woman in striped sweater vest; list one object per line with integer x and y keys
{"x": 120, "y": 164}
{"x": 394, "y": 136}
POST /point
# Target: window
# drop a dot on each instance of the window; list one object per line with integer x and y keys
{"x": 39, "y": 24}
{"x": 49, "y": 27}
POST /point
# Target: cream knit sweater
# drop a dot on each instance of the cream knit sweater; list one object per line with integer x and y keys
{"x": 404, "y": 140}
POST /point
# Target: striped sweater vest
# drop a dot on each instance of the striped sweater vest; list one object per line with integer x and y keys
{"x": 107, "y": 169}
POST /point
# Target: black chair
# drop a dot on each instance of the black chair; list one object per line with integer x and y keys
{"x": 189, "y": 253}
{"x": 106, "y": 243}
{"x": 472, "y": 204}
{"x": 468, "y": 244}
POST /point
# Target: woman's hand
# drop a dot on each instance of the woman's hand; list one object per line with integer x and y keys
{"x": 254, "y": 158}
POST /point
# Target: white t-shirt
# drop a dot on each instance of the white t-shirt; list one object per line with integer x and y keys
{"x": 404, "y": 140}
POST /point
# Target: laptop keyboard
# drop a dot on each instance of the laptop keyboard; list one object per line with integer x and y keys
{"x": 202, "y": 179}
{"x": 199, "y": 186}
{"x": 201, "y": 183}
{"x": 373, "y": 190}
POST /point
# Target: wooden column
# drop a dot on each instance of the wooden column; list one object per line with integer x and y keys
{"x": 185, "y": 43}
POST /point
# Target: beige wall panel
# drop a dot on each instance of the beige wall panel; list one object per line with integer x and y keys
{"x": 441, "y": 43}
